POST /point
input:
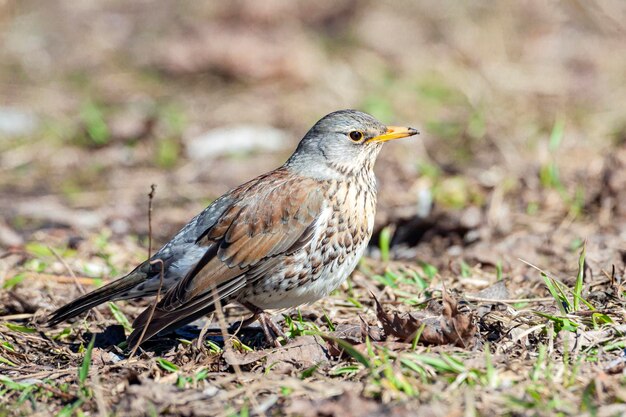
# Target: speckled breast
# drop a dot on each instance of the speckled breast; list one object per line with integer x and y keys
{"x": 342, "y": 233}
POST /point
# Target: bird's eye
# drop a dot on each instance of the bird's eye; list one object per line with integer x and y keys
{"x": 356, "y": 136}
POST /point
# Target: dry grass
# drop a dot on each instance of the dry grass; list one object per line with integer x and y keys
{"x": 522, "y": 357}
{"x": 521, "y": 165}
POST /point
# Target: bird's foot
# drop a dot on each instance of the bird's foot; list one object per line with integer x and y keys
{"x": 272, "y": 331}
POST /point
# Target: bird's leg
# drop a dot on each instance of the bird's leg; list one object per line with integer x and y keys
{"x": 275, "y": 327}
{"x": 270, "y": 329}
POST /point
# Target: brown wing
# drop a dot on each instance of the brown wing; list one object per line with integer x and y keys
{"x": 271, "y": 217}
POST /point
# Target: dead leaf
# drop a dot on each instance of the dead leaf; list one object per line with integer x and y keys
{"x": 497, "y": 291}
{"x": 458, "y": 327}
{"x": 149, "y": 395}
{"x": 449, "y": 326}
{"x": 302, "y": 352}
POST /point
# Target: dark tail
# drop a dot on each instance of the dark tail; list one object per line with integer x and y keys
{"x": 165, "y": 319}
{"x": 113, "y": 291}
{"x": 156, "y": 325}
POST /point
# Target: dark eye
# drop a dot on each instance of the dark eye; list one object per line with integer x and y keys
{"x": 356, "y": 136}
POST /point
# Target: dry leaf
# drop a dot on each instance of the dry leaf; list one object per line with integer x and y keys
{"x": 302, "y": 352}
{"x": 450, "y": 326}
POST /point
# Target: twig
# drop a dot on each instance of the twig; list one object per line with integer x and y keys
{"x": 242, "y": 322}
{"x": 16, "y": 317}
{"x": 508, "y": 300}
{"x": 66, "y": 396}
{"x": 538, "y": 269}
{"x": 224, "y": 329}
{"x": 205, "y": 328}
{"x": 161, "y": 273}
{"x": 72, "y": 274}
{"x": 65, "y": 279}
{"x": 150, "y": 198}
{"x": 152, "y": 308}
{"x": 13, "y": 251}
{"x": 527, "y": 332}
{"x": 80, "y": 287}
{"x": 47, "y": 374}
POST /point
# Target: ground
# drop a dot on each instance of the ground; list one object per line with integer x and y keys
{"x": 493, "y": 284}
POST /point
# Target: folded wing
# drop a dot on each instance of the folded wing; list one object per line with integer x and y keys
{"x": 274, "y": 218}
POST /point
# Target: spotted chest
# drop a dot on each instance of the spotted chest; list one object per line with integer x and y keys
{"x": 342, "y": 232}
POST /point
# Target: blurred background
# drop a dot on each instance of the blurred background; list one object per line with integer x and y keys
{"x": 521, "y": 108}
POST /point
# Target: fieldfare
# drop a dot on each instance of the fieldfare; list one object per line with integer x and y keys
{"x": 286, "y": 238}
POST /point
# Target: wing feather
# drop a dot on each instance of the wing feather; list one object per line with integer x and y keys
{"x": 268, "y": 220}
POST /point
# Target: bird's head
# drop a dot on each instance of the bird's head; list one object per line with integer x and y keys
{"x": 343, "y": 143}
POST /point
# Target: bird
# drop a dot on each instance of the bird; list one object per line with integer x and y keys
{"x": 286, "y": 238}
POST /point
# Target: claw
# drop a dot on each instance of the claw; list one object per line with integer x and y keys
{"x": 271, "y": 330}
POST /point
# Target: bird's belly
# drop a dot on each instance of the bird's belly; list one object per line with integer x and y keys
{"x": 303, "y": 277}
{"x": 278, "y": 292}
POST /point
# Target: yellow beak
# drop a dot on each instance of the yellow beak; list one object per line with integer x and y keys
{"x": 394, "y": 132}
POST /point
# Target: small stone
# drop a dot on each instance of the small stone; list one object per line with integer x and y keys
{"x": 236, "y": 139}
{"x": 16, "y": 122}
{"x": 471, "y": 217}
{"x": 424, "y": 201}
{"x": 210, "y": 391}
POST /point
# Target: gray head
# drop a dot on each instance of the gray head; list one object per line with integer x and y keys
{"x": 343, "y": 143}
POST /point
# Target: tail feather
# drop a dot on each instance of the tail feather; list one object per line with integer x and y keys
{"x": 162, "y": 320}
{"x": 158, "y": 325}
{"x": 113, "y": 291}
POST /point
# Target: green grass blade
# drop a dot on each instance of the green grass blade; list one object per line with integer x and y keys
{"x": 13, "y": 281}
{"x": 20, "y": 328}
{"x": 167, "y": 365}
{"x": 578, "y": 287}
{"x": 418, "y": 334}
{"x": 69, "y": 409}
{"x": 556, "y": 136}
{"x": 556, "y": 293}
{"x": 329, "y": 322}
{"x": 559, "y": 287}
{"x": 5, "y": 361}
{"x": 349, "y": 349}
{"x": 384, "y": 242}
{"x": 439, "y": 364}
{"x": 120, "y": 317}
{"x": 83, "y": 371}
